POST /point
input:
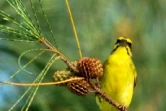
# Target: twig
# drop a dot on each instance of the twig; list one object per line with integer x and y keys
{"x": 74, "y": 29}
{"x": 107, "y": 98}
{"x": 62, "y": 57}
{"x": 42, "y": 84}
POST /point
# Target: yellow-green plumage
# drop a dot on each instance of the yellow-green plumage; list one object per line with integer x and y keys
{"x": 119, "y": 76}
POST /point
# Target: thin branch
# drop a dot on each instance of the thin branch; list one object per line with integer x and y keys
{"x": 43, "y": 84}
{"x": 106, "y": 97}
{"x": 74, "y": 29}
{"x": 62, "y": 57}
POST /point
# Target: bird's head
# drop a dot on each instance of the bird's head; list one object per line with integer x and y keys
{"x": 125, "y": 43}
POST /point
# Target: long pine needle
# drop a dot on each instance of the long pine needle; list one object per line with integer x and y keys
{"x": 42, "y": 84}
{"x": 74, "y": 29}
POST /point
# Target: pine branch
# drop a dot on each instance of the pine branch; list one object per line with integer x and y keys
{"x": 62, "y": 57}
{"x": 73, "y": 68}
{"x": 99, "y": 92}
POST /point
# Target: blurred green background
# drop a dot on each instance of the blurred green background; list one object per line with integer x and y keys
{"x": 98, "y": 24}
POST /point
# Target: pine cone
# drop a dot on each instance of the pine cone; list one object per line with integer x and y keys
{"x": 90, "y": 68}
{"x": 78, "y": 87}
{"x": 62, "y": 75}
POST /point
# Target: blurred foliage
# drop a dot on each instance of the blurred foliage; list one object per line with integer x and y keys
{"x": 98, "y": 24}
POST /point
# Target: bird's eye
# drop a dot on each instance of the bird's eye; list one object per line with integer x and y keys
{"x": 118, "y": 41}
{"x": 129, "y": 44}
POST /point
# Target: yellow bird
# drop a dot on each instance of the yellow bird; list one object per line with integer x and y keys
{"x": 119, "y": 77}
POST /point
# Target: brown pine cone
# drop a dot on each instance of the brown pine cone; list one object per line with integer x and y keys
{"x": 90, "y": 68}
{"x": 78, "y": 87}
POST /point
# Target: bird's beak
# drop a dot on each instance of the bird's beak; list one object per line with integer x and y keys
{"x": 123, "y": 43}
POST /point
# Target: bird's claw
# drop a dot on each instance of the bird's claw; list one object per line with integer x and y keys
{"x": 122, "y": 108}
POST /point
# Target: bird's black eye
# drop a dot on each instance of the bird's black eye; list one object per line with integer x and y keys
{"x": 130, "y": 45}
{"x": 118, "y": 41}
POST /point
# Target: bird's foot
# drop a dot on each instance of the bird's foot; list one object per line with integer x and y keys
{"x": 122, "y": 108}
